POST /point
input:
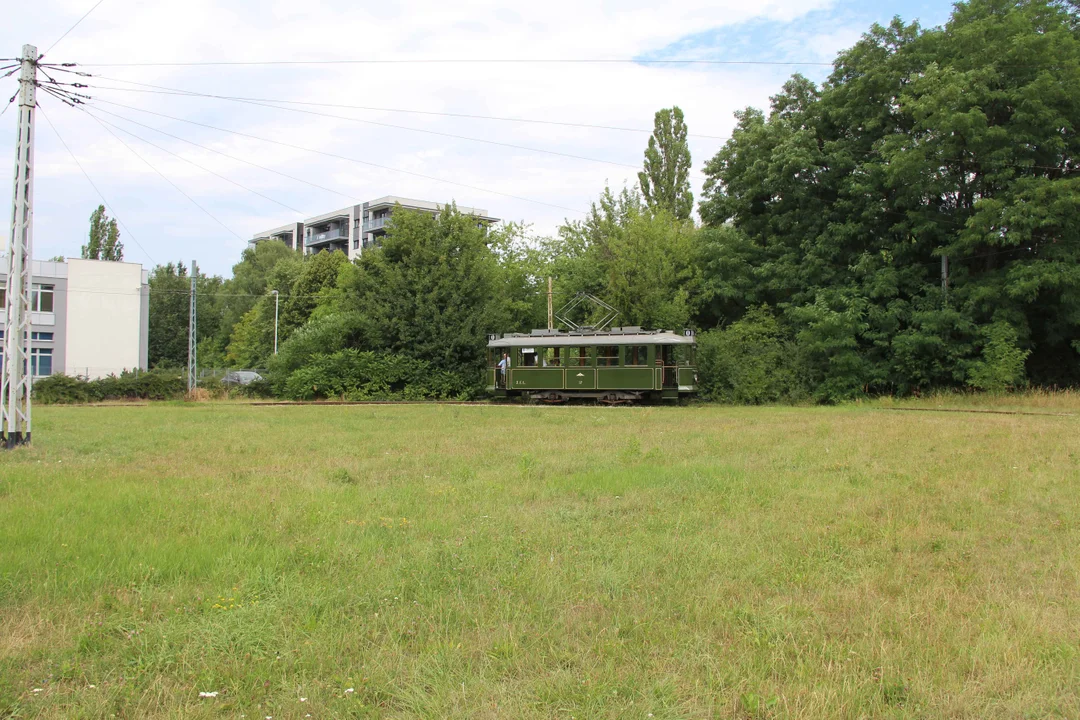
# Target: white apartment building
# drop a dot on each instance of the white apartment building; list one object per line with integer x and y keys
{"x": 354, "y": 228}
{"x": 89, "y": 317}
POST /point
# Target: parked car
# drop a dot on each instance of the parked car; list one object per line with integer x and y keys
{"x": 241, "y": 377}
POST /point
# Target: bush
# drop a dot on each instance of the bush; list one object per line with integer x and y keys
{"x": 363, "y": 375}
{"x": 313, "y": 340}
{"x": 1002, "y": 364}
{"x": 151, "y": 385}
{"x": 63, "y": 389}
{"x": 828, "y": 344}
{"x": 214, "y": 387}
{"x": 750, "y": 362}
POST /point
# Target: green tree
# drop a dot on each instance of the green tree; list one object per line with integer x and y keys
{"x": 431, "y": 292}
{"x": 170, "y": 309}
{"x": 314, "y": 285}
{"x": 841, "y": 201}
{"x": 250, "y": 282}
{"x": 167, "y": 342}
{"x": 641, "y": 262}
{"x": 665, "y": 181}
{"x": 104, "y": 242}
{"x": 251, "y": 339}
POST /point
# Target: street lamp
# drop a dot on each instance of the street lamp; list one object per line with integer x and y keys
{"x": 277, "y": 297}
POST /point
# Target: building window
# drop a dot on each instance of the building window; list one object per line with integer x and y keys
{"x": 526, "y": 357}
{"x": 607, "y": 355}
{"x": 3, "y": 297}
{"x": 637, "y": 355}
{"x": 356, "y": 243}
{"x": 44, "y": 336}
{"x": 42, "y": 298}
{"x": 41, "y": 361}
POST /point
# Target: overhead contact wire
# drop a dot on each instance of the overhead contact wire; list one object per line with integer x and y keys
{"x": 94, "y": 185}
{"x": 166, "y": 179}
{"x": 195, "y": 164}
{"x": 345, "y": 158}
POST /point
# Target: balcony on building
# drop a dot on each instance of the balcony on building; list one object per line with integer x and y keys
{"x": 328, "y": 234}
{"x": 376, "y": 223}
{"x": 379, "y": 212}
{"x": 287, "y": 234}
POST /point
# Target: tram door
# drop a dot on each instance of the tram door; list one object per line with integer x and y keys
{"x": 580, "y": 374}
{"x": 671, "y": 366}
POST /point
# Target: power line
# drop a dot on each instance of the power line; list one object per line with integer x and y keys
{"x": 469, "y": 116}
{"x": 459, "y": 61}
{"x": 71, "y": 28}
{"x": 256, "y": 101}
{"x": 94, "y": 185}
{"x": 9, "y": 102}
{"x": 223, "y": 154}
{"x": 207, "y": 170}
{"x": 177, "y": 187}
{"x": 345, "y": 158}
{"x": 401, "y": 127}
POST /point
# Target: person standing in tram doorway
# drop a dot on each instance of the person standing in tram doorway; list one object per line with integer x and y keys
{"x": 503, "y": 365}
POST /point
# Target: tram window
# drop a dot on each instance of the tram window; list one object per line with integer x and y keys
{"x": 576, "y": 357}
{"x": 526, "y": 357}
{"x": 553, "y": 357}
{"x": 637, "y": 355}
{"x": 607, "y": 355}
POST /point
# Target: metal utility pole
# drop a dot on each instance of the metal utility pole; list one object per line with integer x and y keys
{"x": 192, "y": 361}
{"x": 551, "y": 312}
{"x": 16, "y": 385}
{"x": 277, "y": 297}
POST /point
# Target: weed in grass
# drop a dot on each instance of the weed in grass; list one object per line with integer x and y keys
{"x": 631, "y": 452}
{"x": 755, "y": 706}
{"x": 343, "y": 476}
{"x": 894, "y": 693}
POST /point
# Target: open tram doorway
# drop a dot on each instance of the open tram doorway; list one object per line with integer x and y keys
{"x": 670, "y": 364}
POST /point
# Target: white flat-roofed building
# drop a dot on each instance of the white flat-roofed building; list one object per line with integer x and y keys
{"x": 88, "y": 317}
{"x": 356, "y": 227}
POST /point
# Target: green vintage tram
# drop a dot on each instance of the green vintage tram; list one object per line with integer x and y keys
{"x": 616, "y": 365}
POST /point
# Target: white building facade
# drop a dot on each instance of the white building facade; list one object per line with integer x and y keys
{"x": 354, "y": 228}
{"x": 90, "y": 318}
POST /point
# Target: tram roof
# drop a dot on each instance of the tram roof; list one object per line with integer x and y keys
{"x": 546, "y": 339}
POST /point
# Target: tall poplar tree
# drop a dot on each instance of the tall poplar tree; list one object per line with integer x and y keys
{"x": 665, "y": 181}
{"x": 104, "y": 243}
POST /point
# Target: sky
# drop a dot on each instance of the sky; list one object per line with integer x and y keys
{"x": 179, "y": 201}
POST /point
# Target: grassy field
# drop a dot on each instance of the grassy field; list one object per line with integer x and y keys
{"x": 505, "y": 562}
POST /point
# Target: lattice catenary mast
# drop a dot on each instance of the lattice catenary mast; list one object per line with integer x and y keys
{"x": 192, "y": 356}
{"x": 15, "y": 387}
